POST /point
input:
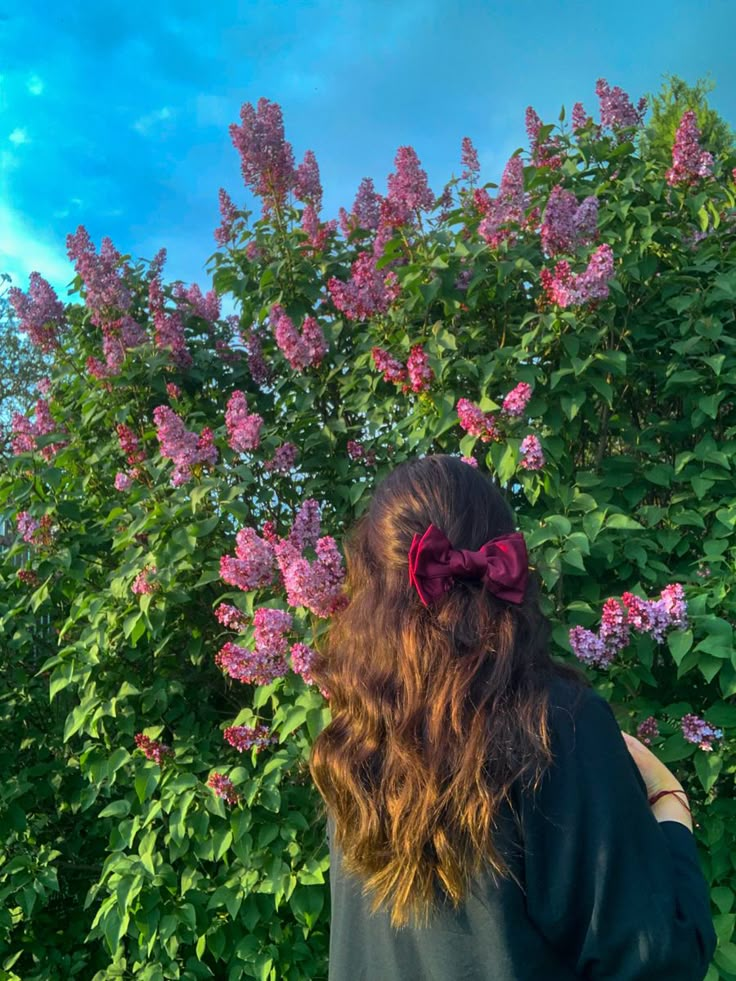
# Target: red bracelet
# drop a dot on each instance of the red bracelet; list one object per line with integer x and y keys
{"x": 661, "y": 793}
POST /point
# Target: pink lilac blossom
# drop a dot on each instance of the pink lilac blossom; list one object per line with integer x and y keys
{"x": 123, "y": 481}
{"x": 27, "y": 526}
{"x": 393, "y": 370}
{"x": 157, "y": 263}
{"x": 106, "y": 293}
{"x": 690, "y": 163}
{"x": 130, "y": 444}
{"x": 470, "y": 460}
{"x": 356, "y": 451}
{"x": 543, "y": 154}
{"x": 469, "y": 160}
{"x": 302, "y": 658}
{"x": 532, "y": 457}
{"x": 24, "y": 432}
{"x": 421, "y": 374}
{"x": 408, "y": 190}
{"x": 173, "y": 391}
{"x": 184, "y": 448}
{"x": 616, "y": 108}
{"x": 253, "y": 565}
{"x": 28, "y": 577}
{"x": 580, "y": 118}
{"x": 307, "y": 186}
{"x": 614, "y": 630}
{"x": 256, "y": 362}
{"x": 306, "y": 526}
{"x": 568, "y": 225}
{"x": 476, "y": 422}
{"x": 266, "y": 157}
{"x": 700, "y": 732}
{"x": 244, "y": 738}
{"x": 303, "y": 351}
{"x": 251, "y": 667}
{"x": 44, "y": 386}
{"x": 142, "y": 584}
{"x": 589, "y": 648}
{"x": 648, "y": 730}
{"x": 231, "y": 617}
{"x": 229, "y": 215}
{"x": 318, "y": 234}
{"x": 192, "y": 302}
{"x": 153, "y": 750}
{"x": 243, "y": 427}
{"x": 566, "y": 288}
{"x": 96, "y": 368}
{"x": 283, "y": 459}
{"x": 516, "y": 401}
{"x": 366, "y": 209}
{"x": 168, "y": 327}
{"x": 368, "y": 292}
{"x": 224, "y": 788}
{"x": 40, "y": 312}
{"x": 315, "y": 585}
{"x": 507, "y": 208}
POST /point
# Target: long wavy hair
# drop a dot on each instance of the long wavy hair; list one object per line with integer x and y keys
{"x": 436, "y": 712}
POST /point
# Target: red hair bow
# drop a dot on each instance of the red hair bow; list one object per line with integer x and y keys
{"x": 502, "y": 564}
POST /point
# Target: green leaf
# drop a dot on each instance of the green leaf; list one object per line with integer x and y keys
{"x": 679, "y": 643}
{"x": 708, "y": 766}
{"x": 118, "y": 808}
{"x": 623, "y": 522}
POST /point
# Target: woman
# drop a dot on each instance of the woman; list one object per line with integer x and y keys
{"x": 486, "y": 818}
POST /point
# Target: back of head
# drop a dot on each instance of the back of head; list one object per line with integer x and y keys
{"x": 436, "y": 711}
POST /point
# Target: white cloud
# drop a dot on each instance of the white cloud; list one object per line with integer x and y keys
{"x": 35, "y": 85}
{"x": 214, "y": 110}
{"x": 24, "y": 250}
{"x": 19, "y": 136}
{"x": 147, "y": 122}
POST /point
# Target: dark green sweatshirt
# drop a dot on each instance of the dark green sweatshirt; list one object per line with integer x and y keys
{"x": 607, "y": 891}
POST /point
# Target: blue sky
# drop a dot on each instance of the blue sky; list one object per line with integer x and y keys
{"x": 115, "y": 115}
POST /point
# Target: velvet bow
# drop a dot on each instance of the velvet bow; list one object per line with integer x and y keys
{"x": 502, "y": 564}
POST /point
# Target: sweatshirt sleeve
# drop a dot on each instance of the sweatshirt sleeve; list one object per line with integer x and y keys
{"x": 617, "y": 893}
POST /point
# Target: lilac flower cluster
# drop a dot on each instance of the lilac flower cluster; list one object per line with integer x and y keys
{"x": 24, "y": 432}
{"x": 185, "y": 448}
{"x": 224, "y": 788}
{"x": 566, "y": 288}
{"x": 544, "y": 153}
{"x": 303, "y": 351}
{"x": 368, "y": 292}
{"x": 168, "y": 327}
{"x": 580, "y": 118}
{"x": 106, "y": 294}
{"x": 507, "y": 208}
{"x": 142, "y": 584}
{"x": 243, "y": 427}
{"x": 244, "y": 738}
{"x": 256, "y": 363}
{"x": 476, "y": 422}
{"x": 130, "y": 445}
{"x": 366, "y": 210}
{"x": 469, "y": 160}
{"x": 648, "y": 730}
{"x": 393, "y": 370}
{"x": 266, "y": 157}
{"x": 253, "y": 564}
{"x": 266, "y": 661}
{"x": 408, "y": 190}
{"x": 228, "y": 214}
{"x": 40, "y": 312}
{"x": 700, "y": 732}
{"x": 654, "y": 617}
{"x": 192, "y": 302}
{"x": 470, "y": 460}
{"x": 356, "y": 451}
{"x": 515, "y": 402}
{"x": 307, "y": 185}
{"x": 420, "y": 373}
{"x": 27, "y": 526}
{"x": 124, "y": 481}
{"x": 173, "y": 391}
{"x": 616, "y": 108}
{"x": 568, "y": 225}
{"x": 283, "y": 459}
{"x": 690, "y": 163}
{"x": 532, "y": 456}
{"x": 153, "y": 749}
{"x": 231, "y": 617}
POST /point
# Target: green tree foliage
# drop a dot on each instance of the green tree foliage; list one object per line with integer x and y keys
{"x": 666, "y": 109}
{"x": 117, "y": 856}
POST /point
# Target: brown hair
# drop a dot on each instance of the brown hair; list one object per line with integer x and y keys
{"x": 436, "y": 711}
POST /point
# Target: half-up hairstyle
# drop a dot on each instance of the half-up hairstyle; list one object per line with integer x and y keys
{"x": 436, "y": 711}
